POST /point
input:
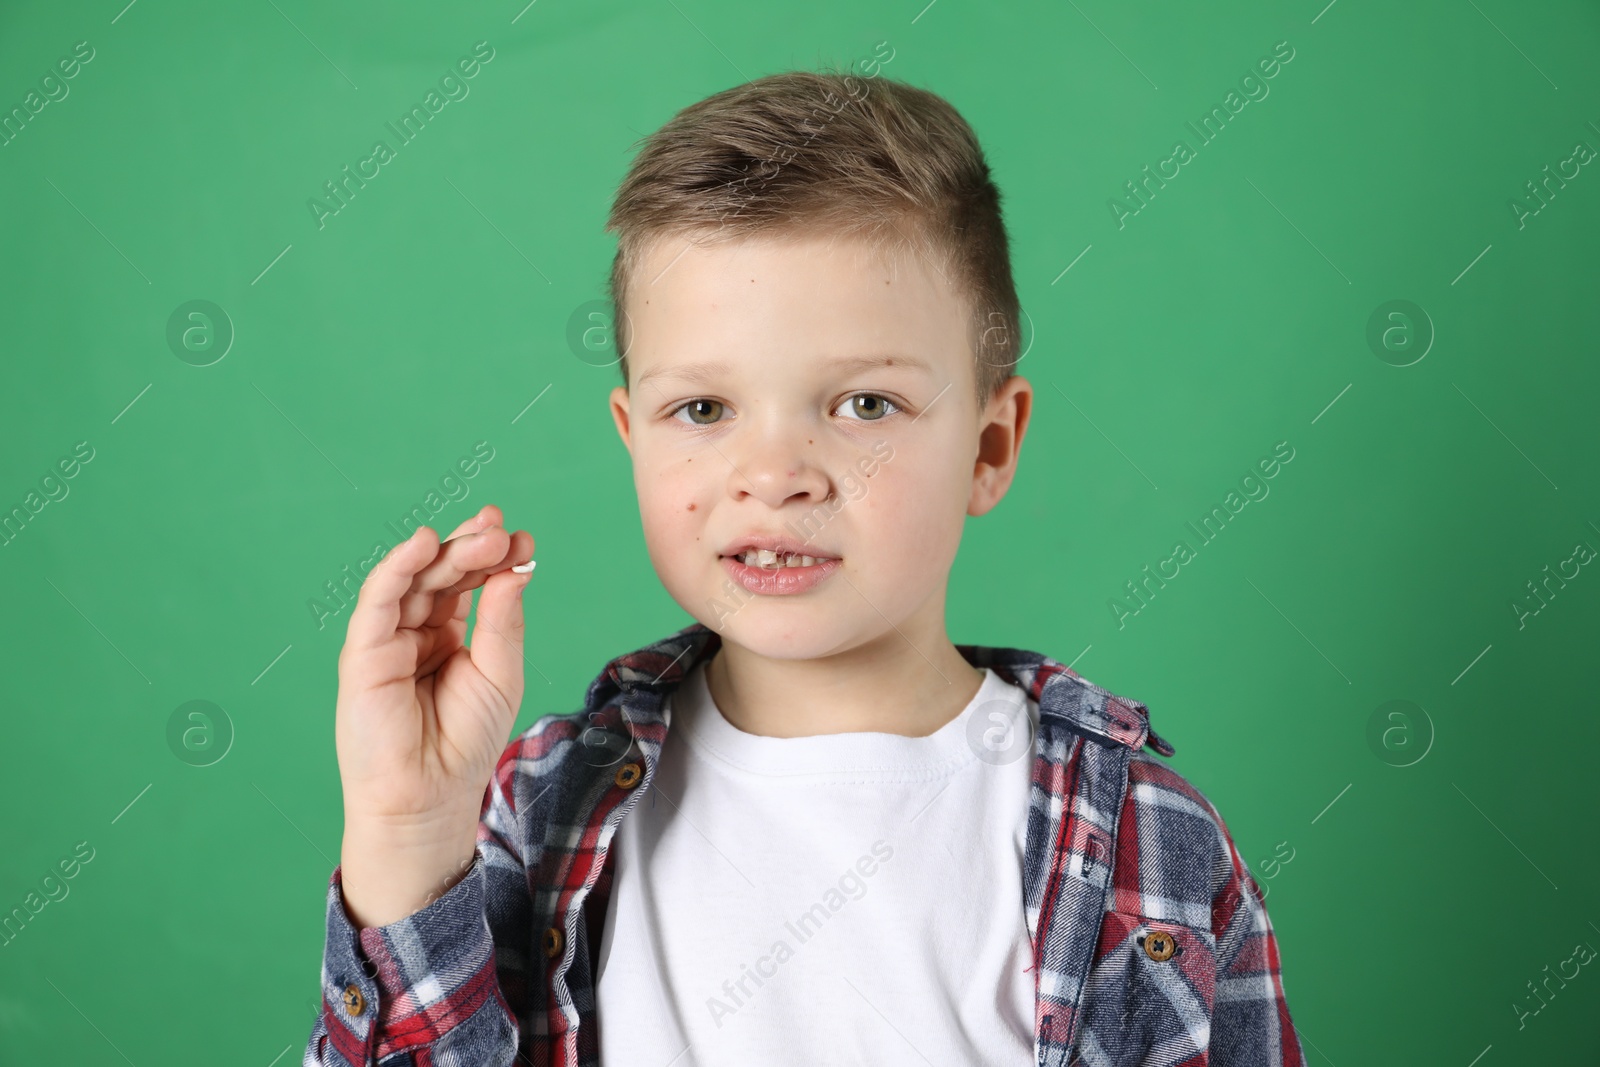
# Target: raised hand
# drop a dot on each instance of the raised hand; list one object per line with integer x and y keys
{"x": 421, "y": 717}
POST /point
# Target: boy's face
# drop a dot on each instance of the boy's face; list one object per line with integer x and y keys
{"x": 875, "y": 467}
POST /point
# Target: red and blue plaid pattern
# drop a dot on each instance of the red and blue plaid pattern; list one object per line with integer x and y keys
{"x": 1152, "y": 946}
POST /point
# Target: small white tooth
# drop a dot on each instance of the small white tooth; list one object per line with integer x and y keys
{"x": 808, "y": 561}
{"x": 791, "y": 560}
{"x": 767, "y": 557}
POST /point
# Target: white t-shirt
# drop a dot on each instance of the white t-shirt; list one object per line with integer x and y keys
{"x": 842, "y": 898}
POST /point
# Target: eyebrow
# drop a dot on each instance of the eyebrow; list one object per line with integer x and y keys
{"x": 702, "y": 372}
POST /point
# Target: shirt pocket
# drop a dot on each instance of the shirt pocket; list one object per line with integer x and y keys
{"x": 1150, "y": 993}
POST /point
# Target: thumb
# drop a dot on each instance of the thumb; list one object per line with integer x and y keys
{"x": 497, "y": 635}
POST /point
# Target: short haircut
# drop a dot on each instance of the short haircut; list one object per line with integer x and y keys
{"x": 824, "y": 152}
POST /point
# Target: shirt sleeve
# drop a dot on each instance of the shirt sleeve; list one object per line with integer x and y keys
{"x": 1250, "y": 1024}
{"x": 450, "y": 978}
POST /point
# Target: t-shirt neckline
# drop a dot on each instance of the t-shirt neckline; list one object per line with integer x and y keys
{"x": 994, "y": 714}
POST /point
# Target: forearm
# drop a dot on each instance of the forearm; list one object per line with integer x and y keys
{"x": 428, "y": 981}
{"x": 391, "y": 870}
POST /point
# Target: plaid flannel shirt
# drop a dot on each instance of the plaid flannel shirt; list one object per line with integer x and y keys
{"x": 1151, "y": 944}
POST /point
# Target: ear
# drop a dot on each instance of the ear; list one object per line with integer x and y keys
{"x": 1001, "y": 428}
{"x": 619, "y": 415}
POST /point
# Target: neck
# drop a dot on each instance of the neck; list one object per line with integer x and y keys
{"x": 908, "y": 681}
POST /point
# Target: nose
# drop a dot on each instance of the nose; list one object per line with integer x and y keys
{"x": 777, "y": 470}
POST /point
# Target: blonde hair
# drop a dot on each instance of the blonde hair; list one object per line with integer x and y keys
{"x": 807, "y": 152}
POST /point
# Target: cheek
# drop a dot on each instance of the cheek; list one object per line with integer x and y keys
{"x": 673, "y": 504}
{"x": 916, "y": 508}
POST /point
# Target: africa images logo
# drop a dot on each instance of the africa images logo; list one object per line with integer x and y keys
{"x": 1254, "y": 84}
{"x": 412, "y": 123}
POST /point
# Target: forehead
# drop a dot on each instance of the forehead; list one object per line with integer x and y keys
{"x": 770, "y": 299}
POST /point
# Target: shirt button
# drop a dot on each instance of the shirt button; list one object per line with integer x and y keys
{"x": 552, "y": 942}
{"x": 1159, "y": 945}
{"x": 628, "y": 775}
{"x": 354, "y": 1002}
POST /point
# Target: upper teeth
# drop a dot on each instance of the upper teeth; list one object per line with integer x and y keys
{"x": 761, "y": 557}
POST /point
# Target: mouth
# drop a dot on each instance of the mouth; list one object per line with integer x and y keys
{"x": 777, "y": 576}
{"x": 773, "y": 560}
{"x": 775, "y": 552}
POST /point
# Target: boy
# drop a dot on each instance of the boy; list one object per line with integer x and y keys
{"x": 857, "y": 842}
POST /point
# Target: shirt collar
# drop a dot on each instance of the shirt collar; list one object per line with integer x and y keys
{"x": 1064, "y": 697}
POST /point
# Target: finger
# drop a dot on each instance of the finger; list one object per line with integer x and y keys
{"x": 441, "y": 644}
{"x": 461, "y": 567}
{"x": 519, "y": 549}
{"x": 488, "y": 515}
{"x": 460, "y": 556}
{"x": 454, "y": 571}
{"x": 456, "y": 602}
{"x": 497, "y": 637}
{"x": 452, "y": 546}
{"x": 376, "y": 616}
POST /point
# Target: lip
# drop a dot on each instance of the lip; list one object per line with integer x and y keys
{"x": 783, "y": 546}
{"x": 783, "y": 581}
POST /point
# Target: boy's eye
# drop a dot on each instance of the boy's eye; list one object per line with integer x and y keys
{"x": 871, "y": 406}
{"x": 866, "y": 407}
{"x": 697, "y": 408}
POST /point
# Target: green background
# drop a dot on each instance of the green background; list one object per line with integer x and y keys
{"x": 431, "y": 313}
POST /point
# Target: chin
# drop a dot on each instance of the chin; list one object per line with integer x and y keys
{"x": 776, "y": 633}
